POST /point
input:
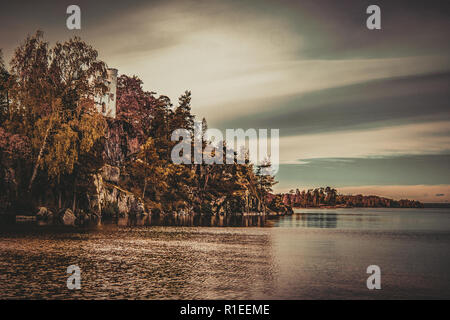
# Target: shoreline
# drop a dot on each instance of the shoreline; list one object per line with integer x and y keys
{"x": 345, "y": 207}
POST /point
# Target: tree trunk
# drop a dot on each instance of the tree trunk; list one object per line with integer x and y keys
{"x": 143, "y": 191}
{"x": 206, "y": 181}
{"x": 74, "y": 196}
{"x": 7, "y": 104}
{"x": 41, "y": 152}
{"x": 247, "y": 202}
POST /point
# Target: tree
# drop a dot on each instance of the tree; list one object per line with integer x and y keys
{"x": 134, "y": 105}
{"x": 265, "y": 182}
{"x": 31, "y": 90}
{"x": 150, "y": 168}
{"x": 52, "y": 102}
{"x": 69, "y": 142}
{"x": 4, "y": 90}
{"x": 15, "y": 149}
{"x": 49, "y": 87}
{"x": 182, "y": 118}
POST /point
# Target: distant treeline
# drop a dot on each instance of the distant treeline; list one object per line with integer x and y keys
{"x": 329, "y": 197}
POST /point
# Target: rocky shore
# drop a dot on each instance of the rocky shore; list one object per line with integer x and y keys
{"x": 111, "y": 201}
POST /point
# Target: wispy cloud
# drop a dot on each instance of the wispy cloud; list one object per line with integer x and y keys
{"x": 423, "y": 138}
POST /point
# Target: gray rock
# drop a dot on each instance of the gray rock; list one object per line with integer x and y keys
{"x": 110, "y": 173}
{"x": 68, "y": 218}
{"x": 126, "y": 202}
{"x": 44, "y": 214}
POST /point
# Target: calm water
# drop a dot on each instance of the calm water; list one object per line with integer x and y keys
{"x": 314, "y": 254}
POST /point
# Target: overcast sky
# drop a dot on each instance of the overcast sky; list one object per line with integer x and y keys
{"x": 364, "y": 110}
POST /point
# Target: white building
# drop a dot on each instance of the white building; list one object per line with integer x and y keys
{"x": 106, "y": 105}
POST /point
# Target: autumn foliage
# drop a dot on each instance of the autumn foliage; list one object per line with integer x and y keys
{"x": 52, "y": 140}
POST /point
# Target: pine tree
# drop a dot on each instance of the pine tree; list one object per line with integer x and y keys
{"x": 265, "y": 182}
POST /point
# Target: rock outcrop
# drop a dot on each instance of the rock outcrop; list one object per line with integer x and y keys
{"x": 64, "y": 216}
{"x": 109, "y": 200}
{"x": 44, "y": 214}
{"x": 110, "y": 173}
{"x": 67, "y": 217}
{"x": 110, "y": 195}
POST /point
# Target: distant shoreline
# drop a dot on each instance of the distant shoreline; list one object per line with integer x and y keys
{"x": 426, "y": 206}
{"x": 330, "y": 198}
{"x": 437, "y": 205}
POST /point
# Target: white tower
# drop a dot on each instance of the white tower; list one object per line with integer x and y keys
{"x": 107, "y": 104}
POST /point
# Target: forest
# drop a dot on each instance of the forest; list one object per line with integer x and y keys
{"x": 57, "y": 153}
{"x": 329, "y": 197}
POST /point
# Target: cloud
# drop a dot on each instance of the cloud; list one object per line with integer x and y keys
{"x": 364, "y": 105}
{"x": 411, "y": 139}
{"x": 387, "y": 170}
{"x": 233, "y": 56}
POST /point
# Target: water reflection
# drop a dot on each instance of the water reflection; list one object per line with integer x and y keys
{"x": 331, "y": 219}
{"x": 311, "y": 254}
{"x": 138, "y": 263}
{"x": 174, "y": 220}
{"x": 194, "y": 221}
{"x": 357, "y": 218}
{"x": 319, "y": 220}
{"x": 309, "y": 220}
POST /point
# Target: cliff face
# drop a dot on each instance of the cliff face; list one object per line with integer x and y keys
{"x": 107, "y": 201}
{"x": 110, "y": 199}
{"x": 121, "y": 141}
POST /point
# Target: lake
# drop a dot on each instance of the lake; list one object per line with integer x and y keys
{"x": 313, "y": 254}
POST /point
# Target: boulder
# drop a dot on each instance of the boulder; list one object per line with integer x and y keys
{"x": 68, "y": 217}
{"x": 44, "y": 214}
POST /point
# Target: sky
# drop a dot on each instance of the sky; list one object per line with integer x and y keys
{"x": 364, "y": 111}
